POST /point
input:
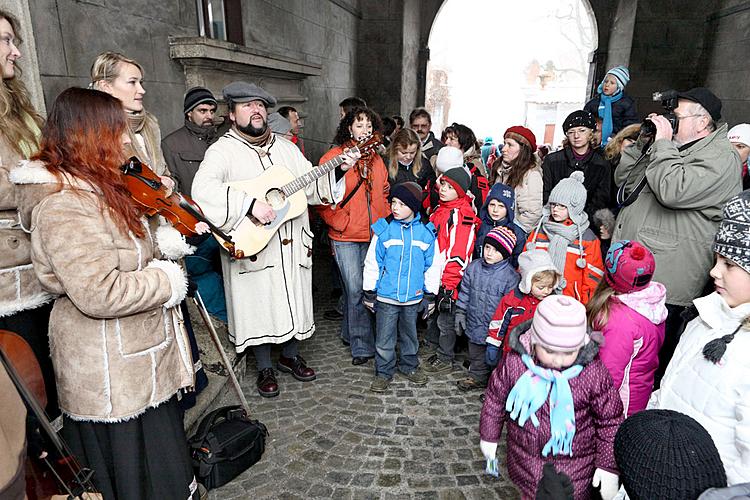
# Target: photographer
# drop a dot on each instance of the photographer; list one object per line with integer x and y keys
{"x": 672, "y": 197}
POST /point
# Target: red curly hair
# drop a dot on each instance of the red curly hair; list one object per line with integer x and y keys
{"x": 83, "y": 139}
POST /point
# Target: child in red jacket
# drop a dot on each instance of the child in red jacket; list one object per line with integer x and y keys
{"x": 539, "y": 277}
{"x": 455, "y": 223}
{"x": 564, "y": 232}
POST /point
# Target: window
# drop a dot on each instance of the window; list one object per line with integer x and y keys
{"x": 221, "y": 20}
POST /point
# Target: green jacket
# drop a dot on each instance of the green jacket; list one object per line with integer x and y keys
{"x": 678, "y": 211}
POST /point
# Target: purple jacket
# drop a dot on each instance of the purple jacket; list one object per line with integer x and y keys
{"x": 598, "y": 414}
{"x": 633, "y": 336}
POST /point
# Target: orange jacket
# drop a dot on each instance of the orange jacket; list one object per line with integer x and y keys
{"x": 352, "y": 223}
{"x": 581, "y": 282}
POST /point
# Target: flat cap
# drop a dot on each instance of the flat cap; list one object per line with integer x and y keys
{"x": 278, "y": 124}
{"x": 246, "y": 92}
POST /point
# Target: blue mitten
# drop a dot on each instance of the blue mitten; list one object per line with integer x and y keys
{"x": 492, "y": 355}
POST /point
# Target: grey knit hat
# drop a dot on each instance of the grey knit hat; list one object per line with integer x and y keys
{"x": 279, "y": 124}
{"x": 732, "y": 240}
{"x": 571, "y": 193}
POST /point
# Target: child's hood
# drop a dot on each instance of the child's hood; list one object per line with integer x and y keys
{"x": 505, "y": 195}
{"x": 520, "y": 342}
{"x": 649, "y": 302}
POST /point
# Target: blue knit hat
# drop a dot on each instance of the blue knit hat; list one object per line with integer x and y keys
{"x": 621, "y": 74}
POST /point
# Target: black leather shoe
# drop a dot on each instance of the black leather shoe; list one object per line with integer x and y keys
{"x": 268, "y": 387}
{"x": 332, "y": 315}
{"x": 297, "y": 367}
{"x": 361, "y": 360}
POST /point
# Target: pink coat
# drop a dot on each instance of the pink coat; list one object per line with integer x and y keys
{"x": 633, "y": 336}
{"x": 598, "y": 414}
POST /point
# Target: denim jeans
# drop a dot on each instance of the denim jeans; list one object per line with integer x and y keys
{"x": 356, "y": 327}
{"x": 199, "y": 267}
{"x": 446, "y": 325}
{"x": 396, "y": 322}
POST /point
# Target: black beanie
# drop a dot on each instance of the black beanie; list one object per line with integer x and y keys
{"x": 459, "y": 178}
{"x": 579, "y": 118}
{"x": 667, "y": 455}
{"x": 410, "y": 194}
{"x": 196, "y": 96}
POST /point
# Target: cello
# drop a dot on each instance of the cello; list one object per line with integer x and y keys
{"x": 70, "y": 479}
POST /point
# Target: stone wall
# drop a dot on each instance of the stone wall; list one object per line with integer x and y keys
{"x": 69, "y": 35}
{"x": 727, "y": 71}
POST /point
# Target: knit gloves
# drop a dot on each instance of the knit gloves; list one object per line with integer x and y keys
{"x": 608, "y": 483}
{"x": 460, "y": 321}
{"x": 370, "y": 300}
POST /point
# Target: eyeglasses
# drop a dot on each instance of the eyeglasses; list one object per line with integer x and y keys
{"x": 686, "y": 116}
{"x": 572, "y": 133}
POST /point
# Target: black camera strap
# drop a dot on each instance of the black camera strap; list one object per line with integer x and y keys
{"x": 622, "y": 199}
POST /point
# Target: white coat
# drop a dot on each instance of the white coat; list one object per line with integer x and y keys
{"x": 715, "y": 395}
{"x": 269, "y": 298}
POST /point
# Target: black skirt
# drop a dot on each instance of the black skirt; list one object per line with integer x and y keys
{"x": 139, "y": 459}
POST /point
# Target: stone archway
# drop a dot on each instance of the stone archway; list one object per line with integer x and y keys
{"x": 493, "y": 67}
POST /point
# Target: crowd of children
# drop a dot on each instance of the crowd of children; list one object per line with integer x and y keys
{"x": 563, "y": 340}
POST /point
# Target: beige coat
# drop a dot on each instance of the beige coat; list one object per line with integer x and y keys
{"x": 269, "y": 296}
{"x": 19, "y": 287}
{"x": 113, "y": 339}
{"x": 528, "y": 197}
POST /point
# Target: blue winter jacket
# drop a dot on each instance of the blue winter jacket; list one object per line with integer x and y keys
{"x": 506, "y": 196}
{"x": 400, "y": 264}
{"x": 482, "y": 288}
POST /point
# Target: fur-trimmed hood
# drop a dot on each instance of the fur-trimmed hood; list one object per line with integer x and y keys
{"x": 520, "y": 343}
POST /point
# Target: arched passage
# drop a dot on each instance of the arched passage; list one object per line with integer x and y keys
{"x": 492, "y": 67}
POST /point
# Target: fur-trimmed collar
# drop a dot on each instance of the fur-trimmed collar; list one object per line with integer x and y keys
{"x": 519, "y": 340}
{"x": 34, "y": 172}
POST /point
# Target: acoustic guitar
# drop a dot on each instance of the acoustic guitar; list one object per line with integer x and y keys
{"x": 284, "y": 192}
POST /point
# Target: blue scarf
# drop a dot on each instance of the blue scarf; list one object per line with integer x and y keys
{"x": 605, "y": 111}
{"x": 530, "y": 393}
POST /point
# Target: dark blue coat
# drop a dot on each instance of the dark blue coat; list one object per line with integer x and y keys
{"x": 506, "y": 196}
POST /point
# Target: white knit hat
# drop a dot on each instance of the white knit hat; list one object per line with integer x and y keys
{"x": 449, "y": 157}
{"x": 740, "y": 133}
{"x": 532, "y": 262}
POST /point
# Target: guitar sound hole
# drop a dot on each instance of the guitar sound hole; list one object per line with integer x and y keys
{"x": 275, "y": 198}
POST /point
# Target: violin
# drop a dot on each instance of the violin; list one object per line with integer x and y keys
{"x": 65, "y": 475}
{"x": 180, "y": 210}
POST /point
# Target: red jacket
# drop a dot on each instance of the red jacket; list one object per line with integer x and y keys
{"x": 580, "y": 282}
{"x": 514, "y": 308}
{"x": 352, "y": 223}
{"x": 455, "y": 223}
{"x": 480, "y": 188}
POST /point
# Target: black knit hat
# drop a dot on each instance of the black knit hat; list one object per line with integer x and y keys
{"x": 410, "y": 194}
{"x": 196, "y": 96}
{"x": 667, "y": 455}
{"x": 579, "y": 118}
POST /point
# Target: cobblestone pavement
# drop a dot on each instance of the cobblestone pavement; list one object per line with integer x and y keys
{"x": 333, "y": 438}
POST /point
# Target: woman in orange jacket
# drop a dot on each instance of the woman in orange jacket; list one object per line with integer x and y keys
{"x": 564, "y": 232}
{"x": 365, "y": 201}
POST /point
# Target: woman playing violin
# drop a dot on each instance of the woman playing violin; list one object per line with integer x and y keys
{"x": 119, "y": 351}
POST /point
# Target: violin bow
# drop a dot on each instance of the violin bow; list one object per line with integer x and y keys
{"x": 81, "y": 474}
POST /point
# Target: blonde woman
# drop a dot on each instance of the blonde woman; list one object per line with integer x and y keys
{"x": 404, "y": 157}
{"x": 122, "y": 77}
{"x": 22, "y": 299}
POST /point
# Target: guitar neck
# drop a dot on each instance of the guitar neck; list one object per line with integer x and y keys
{"x": 316, "y": 173}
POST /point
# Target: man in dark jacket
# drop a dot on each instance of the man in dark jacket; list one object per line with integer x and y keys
{"x": 185, "y": 147}
{"x": 184, "y": 150}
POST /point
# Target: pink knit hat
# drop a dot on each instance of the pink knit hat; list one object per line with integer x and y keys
{"x": 559, "y": 324}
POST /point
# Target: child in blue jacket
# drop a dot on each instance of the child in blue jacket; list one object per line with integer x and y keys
{"x": 400, "y": 280}
{"x": 499, "y": 210}
{"x": 485, "y": 282}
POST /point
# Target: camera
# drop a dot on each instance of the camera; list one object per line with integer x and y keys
{"x": 668, "y": 100}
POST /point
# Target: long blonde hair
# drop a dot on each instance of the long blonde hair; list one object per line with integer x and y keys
{"x": 19, "y": 121}
{"x": 403, "y": 139}
{"x": 597, "y": 309}
{"x": 106, "y": 67}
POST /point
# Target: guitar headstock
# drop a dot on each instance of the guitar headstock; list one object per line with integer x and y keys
{"x": 368, "y": 143}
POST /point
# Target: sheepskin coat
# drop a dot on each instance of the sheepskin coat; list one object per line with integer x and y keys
{"x": 19, "y": 288}
{"x": 117, "y": 342}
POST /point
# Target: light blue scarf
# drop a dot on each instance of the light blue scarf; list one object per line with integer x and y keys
{"x": 530, "y": 393}
{"x": 605, "y": 110}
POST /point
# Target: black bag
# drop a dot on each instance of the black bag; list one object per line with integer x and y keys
{"x": 225, "y": 445}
